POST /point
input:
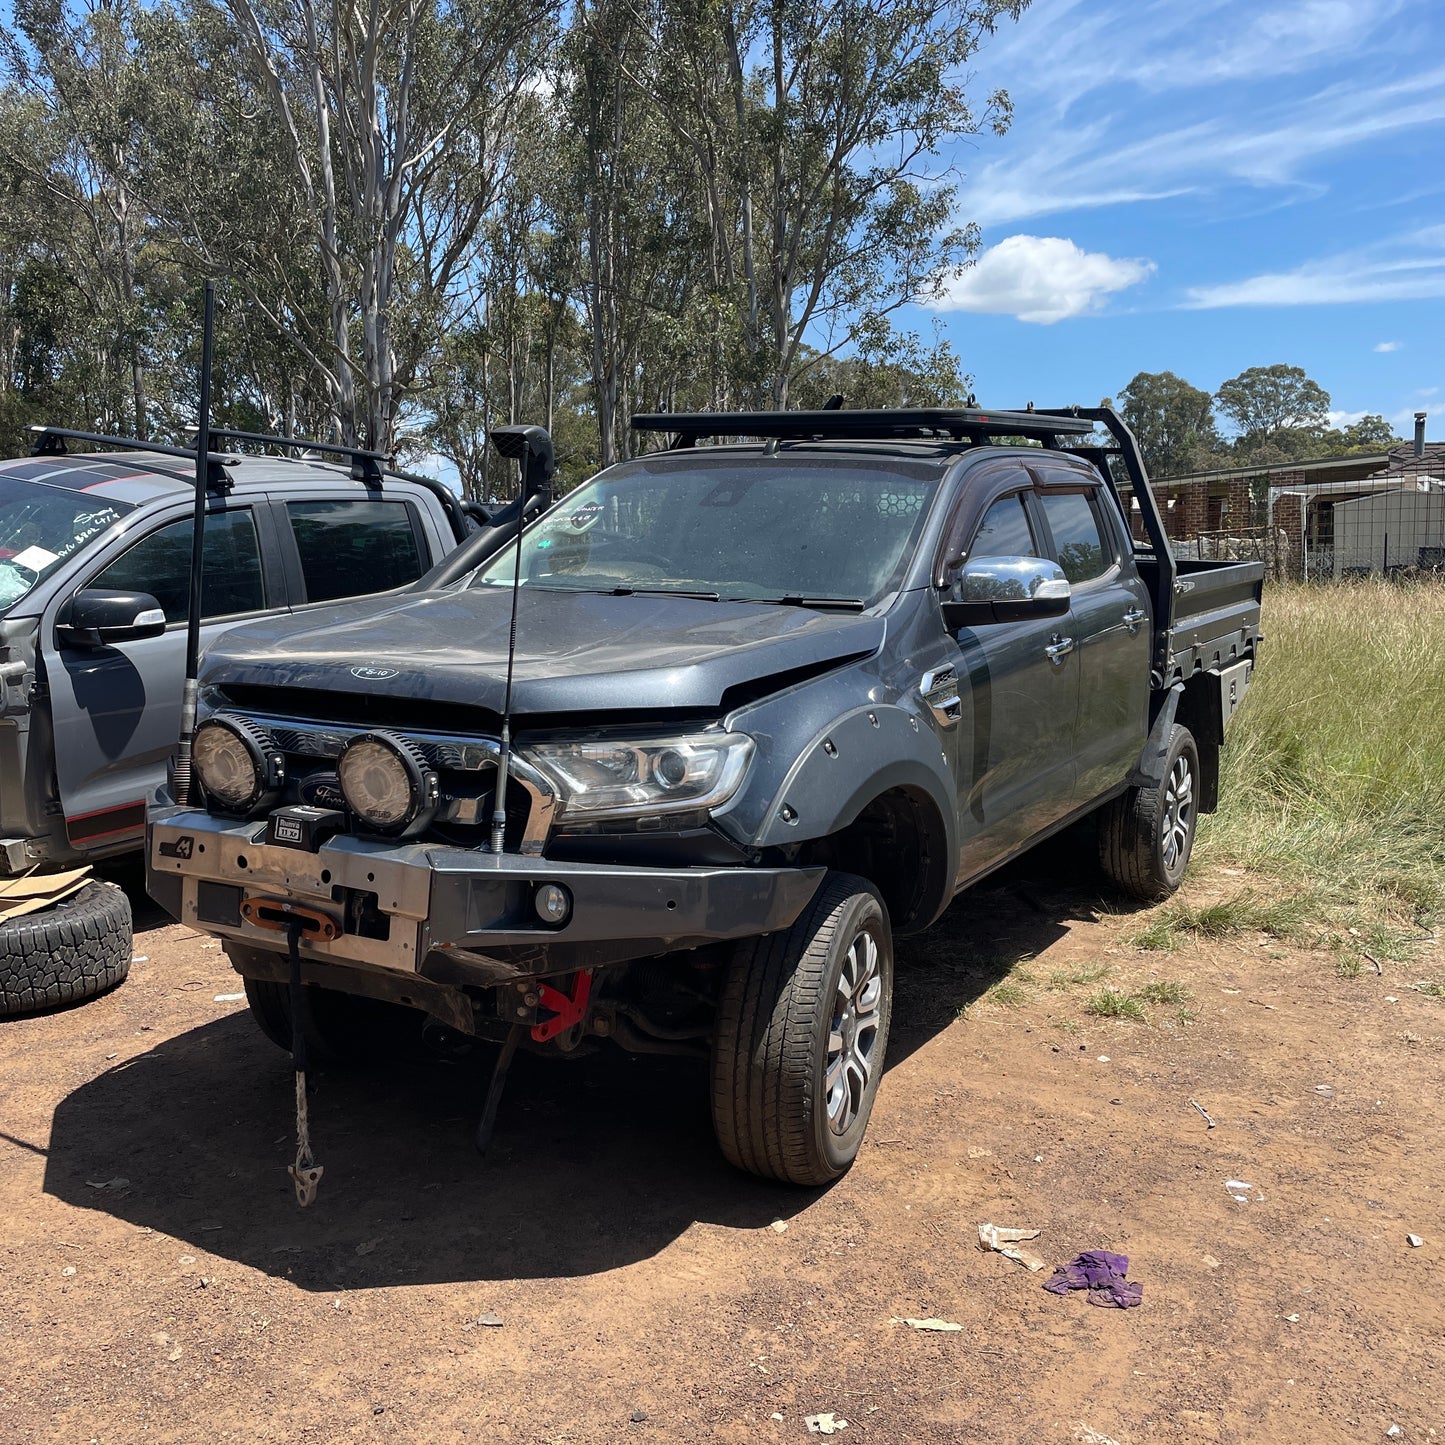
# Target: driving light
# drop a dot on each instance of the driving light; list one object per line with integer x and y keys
{"x": 238, "y": 764}
{"x": 627, "y": 777}
{"x": 387, "y": 784}
{"x": 553, "y": 904}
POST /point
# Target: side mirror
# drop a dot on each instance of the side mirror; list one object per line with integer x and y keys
{"x": 1005, "y": 589}
{"x": 99, "y": 617}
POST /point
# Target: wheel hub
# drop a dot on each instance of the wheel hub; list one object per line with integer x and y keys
{"x": 853, "y": 1035}
{"x": 1178, "y": 821}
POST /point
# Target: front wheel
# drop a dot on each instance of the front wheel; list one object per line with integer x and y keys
{"x": 1147, "y": 834}
{"x": 801, "y": 1033}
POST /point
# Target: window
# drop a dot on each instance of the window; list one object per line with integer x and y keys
{"x": 351, "y": 548}
{"x": 161, "y": 565}
{"x": 746, "y": 530}
{"x": 1078, "y": 541}
{"x": 41, "y": 524}
{"x": 1004, "y": 531}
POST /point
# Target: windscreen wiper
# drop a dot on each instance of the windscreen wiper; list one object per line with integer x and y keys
{"x": 660, "y": 592}
{"x": 802, "y": 599}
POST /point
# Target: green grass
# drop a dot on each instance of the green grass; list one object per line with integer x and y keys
{"x": 1062, "y": 978}
{"x": 1007, "y": 994}
{"x": 1113, "y": 1003}
{"x": 1247, "y": 911}
{"x": 1333, "y": 776}
{"x": 1160, "y": 991}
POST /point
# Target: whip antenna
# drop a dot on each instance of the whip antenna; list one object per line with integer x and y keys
{"x": 206, "y": 467}
{"x": 532, "y": 447}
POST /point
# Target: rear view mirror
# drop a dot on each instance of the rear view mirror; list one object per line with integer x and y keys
{"x": 99, "y": 617}
{"x": 1005, "y": 589}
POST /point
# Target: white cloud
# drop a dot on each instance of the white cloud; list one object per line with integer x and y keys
{"x": 1042, "y": 279}
{"x": 1344, "y": 418}
{"x": 1387, "y": 346}
{"x": 1401, "y": 269}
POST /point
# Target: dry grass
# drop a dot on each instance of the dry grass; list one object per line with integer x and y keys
{"x": 1334, "y": 770}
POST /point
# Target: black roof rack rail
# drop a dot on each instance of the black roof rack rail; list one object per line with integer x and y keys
{"x": 49, "y": 441}
{"x": 862, "y": 424}
{"x": 366, "y": 466}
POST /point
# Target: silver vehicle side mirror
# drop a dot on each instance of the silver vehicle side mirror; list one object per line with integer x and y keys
{"x": 1005, "y": 589}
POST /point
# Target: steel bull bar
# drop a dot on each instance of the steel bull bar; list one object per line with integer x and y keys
{"x": 453, "y": 915}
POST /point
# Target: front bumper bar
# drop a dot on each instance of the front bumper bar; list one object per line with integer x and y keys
{"x": 454, "y": 914}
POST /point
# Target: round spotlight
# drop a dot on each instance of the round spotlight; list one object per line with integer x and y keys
{"x": 553, "y": 904}
{"x": 387, "y": 784}
{"x": 238, "y": 764}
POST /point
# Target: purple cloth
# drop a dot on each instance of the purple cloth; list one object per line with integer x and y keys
{"x": 1102, "y": 1274}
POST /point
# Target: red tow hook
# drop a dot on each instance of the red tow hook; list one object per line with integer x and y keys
{"x": 567, "y": 1011}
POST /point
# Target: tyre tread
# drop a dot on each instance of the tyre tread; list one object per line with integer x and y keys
{"x": 73, "y": 951}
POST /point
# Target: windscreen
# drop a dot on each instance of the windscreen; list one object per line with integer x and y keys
{"x": 40, "y": 526}
{"x": 755, "y": 530}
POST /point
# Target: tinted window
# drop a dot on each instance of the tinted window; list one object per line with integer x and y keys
{"x": 351, "y": 548}
{"x": 161, "y": 565}
{"x": 1078, "y": 542}
{"x": 1004, "y": 531}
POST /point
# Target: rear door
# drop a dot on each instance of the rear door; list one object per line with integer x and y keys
{"x": 1108, "y": 621}
{"x": 347, "y": 546}
{"x": 116, "y": 709}
{"x": 1014, "y": 762}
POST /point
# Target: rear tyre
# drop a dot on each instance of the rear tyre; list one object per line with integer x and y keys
{"x": 1146, "y": 835}
{"x": 341, "y": 1028}
{"x": 801, "y": 1032}
{"x": 74, "y": 950}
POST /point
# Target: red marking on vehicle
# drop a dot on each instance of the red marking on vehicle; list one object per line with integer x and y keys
{"x": 135, "y": 819}
{"x": 568, "y": 1011}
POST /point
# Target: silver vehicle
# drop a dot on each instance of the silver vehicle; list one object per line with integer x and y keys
{"x": 94, "y": 567}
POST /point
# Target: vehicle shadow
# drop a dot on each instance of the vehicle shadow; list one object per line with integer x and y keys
{"x": 597, "y": 1162}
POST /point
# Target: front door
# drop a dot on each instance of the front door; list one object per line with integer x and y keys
{"x": 116, "y": 709}
{"x": 1019, "y": 691}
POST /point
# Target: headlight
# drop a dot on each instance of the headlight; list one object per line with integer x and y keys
{"x": 238, "y": 764}
{"x": 387, "y": 784}
{"x": 625, "y": 777}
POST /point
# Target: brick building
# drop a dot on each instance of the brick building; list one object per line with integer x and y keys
{"x": 1286, "y": 513}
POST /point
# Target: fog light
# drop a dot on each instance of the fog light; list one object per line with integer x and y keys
{"x": 553, "y": 904}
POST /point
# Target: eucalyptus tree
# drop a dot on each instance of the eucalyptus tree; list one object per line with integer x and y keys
{"x": 394, "y": 121}
{"x": 818, "y": 131}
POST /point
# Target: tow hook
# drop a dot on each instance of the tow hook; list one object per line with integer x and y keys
{"x": 566, "y": 1010}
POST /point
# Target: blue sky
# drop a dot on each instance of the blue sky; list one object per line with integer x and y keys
{"x": 1203, "y": 187}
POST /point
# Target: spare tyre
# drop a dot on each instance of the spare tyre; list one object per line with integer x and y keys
{"x": 78, "y": 948}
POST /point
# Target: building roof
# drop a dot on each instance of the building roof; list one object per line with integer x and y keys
{"x": 1335, "y": 469}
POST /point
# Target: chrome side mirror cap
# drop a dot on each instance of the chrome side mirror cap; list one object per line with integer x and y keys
{"x": 1005, "y": 589}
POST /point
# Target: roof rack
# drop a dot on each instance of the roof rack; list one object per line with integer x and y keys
{"x": 49, "y": 441}
{"x": 862, "y": 424}
{"x": 366, "y": 466}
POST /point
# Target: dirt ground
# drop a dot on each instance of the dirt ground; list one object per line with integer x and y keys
{"x": 158, "y": 1283}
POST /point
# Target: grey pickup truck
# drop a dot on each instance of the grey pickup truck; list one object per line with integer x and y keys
{"x": 773, "y": 693}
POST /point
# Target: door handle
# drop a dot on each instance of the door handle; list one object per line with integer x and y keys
{"x": 1132, "y": 618}
{"x": 1059, "y": 648}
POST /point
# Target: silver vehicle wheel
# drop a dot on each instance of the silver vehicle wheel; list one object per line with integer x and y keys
{"x": 802, "y": 1030}
{"x": 1147, "y": 833}
{"x": 853, "y": 1037}
{"x": 1178, "y": 821}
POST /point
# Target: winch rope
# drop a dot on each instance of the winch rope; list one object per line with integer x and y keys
{"x": 305, "y": 1172}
